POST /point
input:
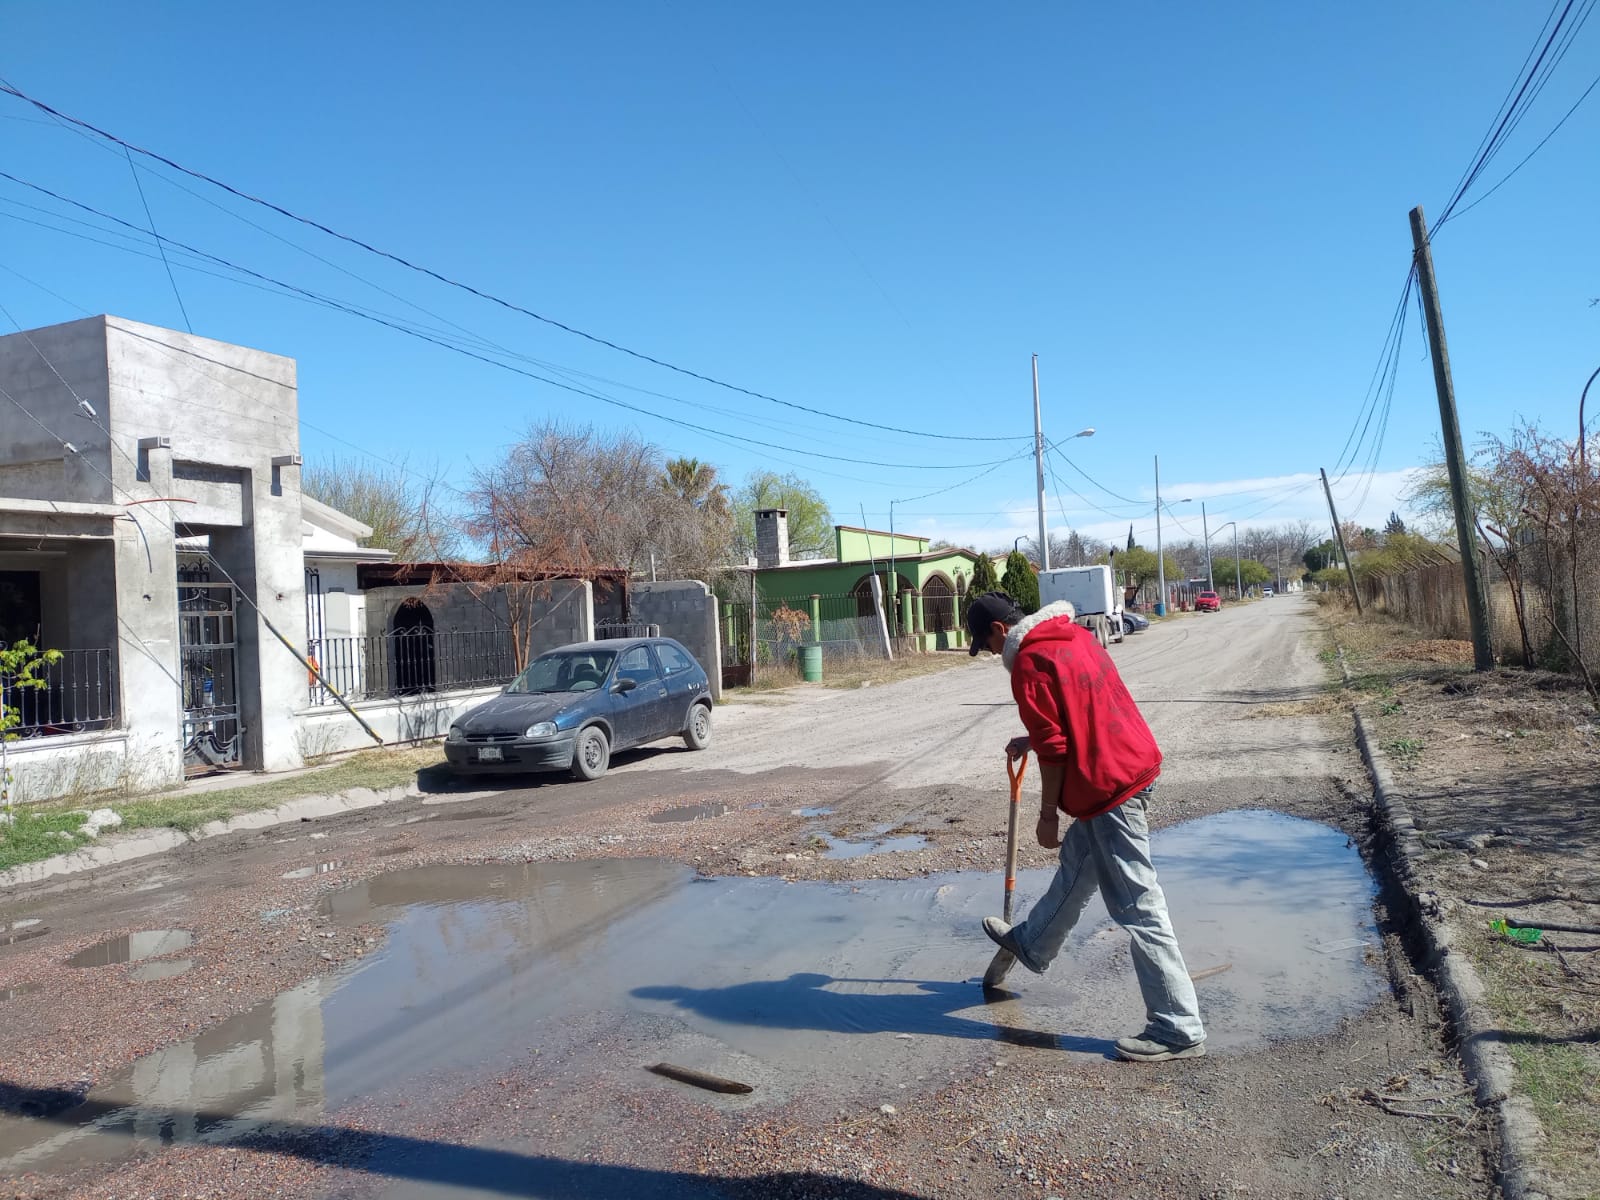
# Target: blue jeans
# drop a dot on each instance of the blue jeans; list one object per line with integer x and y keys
{"x": 1113, "y": 852}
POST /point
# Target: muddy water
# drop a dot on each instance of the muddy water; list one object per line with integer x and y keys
{"x": 131, "y": 947}
{"x": 854, "y": 988}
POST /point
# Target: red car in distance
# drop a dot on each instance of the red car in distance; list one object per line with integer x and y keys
{"x": 1207, "y": 602}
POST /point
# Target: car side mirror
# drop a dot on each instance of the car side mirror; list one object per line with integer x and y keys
{"x": 624, "y": 685}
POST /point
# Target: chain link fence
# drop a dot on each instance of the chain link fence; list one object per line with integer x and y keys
{"x": 1541, "y": 600}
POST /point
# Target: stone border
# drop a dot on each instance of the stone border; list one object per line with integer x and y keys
{"x": 120, "y": 848}
{"x": 1485, "y": 1057}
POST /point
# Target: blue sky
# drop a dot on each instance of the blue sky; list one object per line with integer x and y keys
{"x": 1195, "y": 215}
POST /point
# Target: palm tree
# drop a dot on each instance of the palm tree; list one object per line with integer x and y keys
{"x": 695, "y": 482}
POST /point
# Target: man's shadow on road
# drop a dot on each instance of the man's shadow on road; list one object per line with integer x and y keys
{"x": 804, "y": 1001}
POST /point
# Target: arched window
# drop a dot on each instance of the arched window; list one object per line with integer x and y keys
{"x": 411, "y": 648}
{"x": 863, "y": 594}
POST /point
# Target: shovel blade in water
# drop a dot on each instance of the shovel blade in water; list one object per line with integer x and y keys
{"x": 999, "y": 967}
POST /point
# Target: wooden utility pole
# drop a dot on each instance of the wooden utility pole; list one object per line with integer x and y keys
{"x": 1455, "y": 460}
{"x": 1339, "y": 537}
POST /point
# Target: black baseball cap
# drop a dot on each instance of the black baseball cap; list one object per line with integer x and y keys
{"x": 983, "y": 612}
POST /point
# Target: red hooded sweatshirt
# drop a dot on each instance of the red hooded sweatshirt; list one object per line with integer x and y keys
{"x": 1078, "y": 713}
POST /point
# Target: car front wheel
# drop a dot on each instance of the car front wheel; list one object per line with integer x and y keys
{"x": 592, "y": 754}
{"x": 698, "y": 734}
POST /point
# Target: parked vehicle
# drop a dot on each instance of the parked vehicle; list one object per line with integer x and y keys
{"x": 1093, "y": 593}
{"x": 1207, "y": 602}
{"x": 1132, "y": 622}
{"x": 1266, "y": 592}
{"x": 574, "y": 707}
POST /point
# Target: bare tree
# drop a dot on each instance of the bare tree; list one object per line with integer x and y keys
{"x": 401, "y": 505}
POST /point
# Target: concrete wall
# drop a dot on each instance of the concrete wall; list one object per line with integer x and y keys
{"x": 32, "y": 462}
{"x": 328, "y": 730}
{"x": 686, "y": 610}
{"x": 557, "y": 613}
{"x": 86, "y": 763}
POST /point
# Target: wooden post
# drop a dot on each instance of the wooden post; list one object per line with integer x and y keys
{"x": 1454, "y": 459}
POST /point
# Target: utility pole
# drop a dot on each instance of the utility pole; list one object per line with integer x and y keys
{"x": 1455, "y": 460}
{"x": 1339, "y": 537}
{"x": 1038, "y": 463}
{"x": 1161, "y": 570}
{"x": 1238, "y": 574}
{"x": 1206, "y": 534}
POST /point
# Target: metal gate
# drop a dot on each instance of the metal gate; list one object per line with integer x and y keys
{"x": 208, "y": 652}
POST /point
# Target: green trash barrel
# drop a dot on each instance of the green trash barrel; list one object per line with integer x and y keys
{"x": 811, "y": 663}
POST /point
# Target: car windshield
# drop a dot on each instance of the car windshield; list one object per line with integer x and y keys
{"x": 564, "y": 671}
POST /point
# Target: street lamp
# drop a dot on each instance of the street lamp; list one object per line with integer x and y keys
{"x": 1161, "y": 564}
{"x": 1038, "y": 432}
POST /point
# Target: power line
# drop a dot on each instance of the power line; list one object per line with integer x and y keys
{"x": 992, "y": 467}
{"x": 481, "y": 294}
{"x": 134, "y": 171}
{"x": 1510, "y": 113}
{"x": 1507, "y": 177}
{"x": 484, "y": 358}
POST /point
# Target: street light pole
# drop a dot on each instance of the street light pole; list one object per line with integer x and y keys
{"x": 1038, "y": 464}
{"x": 1210, "y": 582}
{"x": 1161, "y": 571}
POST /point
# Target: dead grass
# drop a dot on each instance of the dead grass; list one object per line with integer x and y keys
{"x": 1550, "y": 1011}
{"x": 1433, "y": 650}
{"x": 1503, "y": 765}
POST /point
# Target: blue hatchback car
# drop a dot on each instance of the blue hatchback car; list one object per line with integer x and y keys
{"x": 574, "y": 707}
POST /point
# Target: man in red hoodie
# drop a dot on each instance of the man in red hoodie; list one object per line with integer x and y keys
{"x": 1098, "y": 762}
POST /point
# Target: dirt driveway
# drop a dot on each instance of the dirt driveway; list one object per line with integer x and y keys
{"x": 456, "y": 996}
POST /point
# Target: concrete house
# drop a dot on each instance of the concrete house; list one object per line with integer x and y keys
{"x": 152, "y": 529}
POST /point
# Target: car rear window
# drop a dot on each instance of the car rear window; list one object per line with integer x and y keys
{"x": 673, "y": 660}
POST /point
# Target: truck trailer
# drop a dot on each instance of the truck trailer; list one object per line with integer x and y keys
{"x": 1092, "y": 592}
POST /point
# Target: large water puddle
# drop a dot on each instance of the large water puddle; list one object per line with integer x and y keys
{"x": 852, "y": 988}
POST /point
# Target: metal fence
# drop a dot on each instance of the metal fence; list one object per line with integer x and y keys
{"x": 411, "y": 662}
{"x": 609, "y": 630}
{"x": 80, "y": 694}
{"x": 1542, "y": 610}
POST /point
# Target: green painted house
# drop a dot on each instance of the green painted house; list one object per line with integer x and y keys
{"x": 831, "y": 601}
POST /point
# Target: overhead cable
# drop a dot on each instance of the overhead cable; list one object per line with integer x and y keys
{"x": 484, "y": 295}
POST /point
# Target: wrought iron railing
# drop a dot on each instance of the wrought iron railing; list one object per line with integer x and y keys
{"x": 80, "y": 694}
{"x": 606, "y": 630}
{"x": 409, "y": 663}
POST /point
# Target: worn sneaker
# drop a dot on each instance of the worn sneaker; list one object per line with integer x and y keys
{"x": 1148, "y": 1049}
{"x": 1000, "y": 934}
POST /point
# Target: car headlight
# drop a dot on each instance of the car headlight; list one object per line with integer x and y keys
{"x": 455, "y": 734}
{"x": 543, "y": 729}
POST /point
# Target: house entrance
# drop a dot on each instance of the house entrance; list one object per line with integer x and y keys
{"x": 208, "y": 652}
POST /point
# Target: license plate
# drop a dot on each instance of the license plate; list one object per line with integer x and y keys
{"x": 491, "y": 754}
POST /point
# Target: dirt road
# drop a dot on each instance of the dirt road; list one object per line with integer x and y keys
{"x": 456, "y": 996}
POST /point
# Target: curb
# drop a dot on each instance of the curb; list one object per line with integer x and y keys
{"x": 128, "y": 847}
{"x": 1488, "y": 1064}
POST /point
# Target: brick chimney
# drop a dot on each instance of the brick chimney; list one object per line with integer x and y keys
{"x": 772, "y": 537}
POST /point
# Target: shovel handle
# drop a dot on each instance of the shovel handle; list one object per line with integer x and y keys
{"x": 1014, "y": 774}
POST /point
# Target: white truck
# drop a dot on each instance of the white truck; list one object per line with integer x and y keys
{"x": 1092, "y": 592}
